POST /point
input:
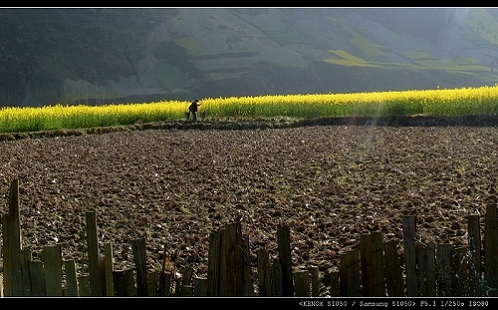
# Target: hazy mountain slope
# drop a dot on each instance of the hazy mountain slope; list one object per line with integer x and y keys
{"x": 123, "y": 55}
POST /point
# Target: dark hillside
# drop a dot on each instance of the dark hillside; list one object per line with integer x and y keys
{"x": 96, "y": 56}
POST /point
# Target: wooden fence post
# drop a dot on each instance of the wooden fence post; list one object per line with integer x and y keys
{"x": 474, "y": 256}
{"x": 229, "y": 272}
{"x": 6, "y": 261}
{"x": 186, "y": 291}
{"x": 138, "y": 247}
{"x": 164, "y": 281}
{"x": 276, "y": 279}
{"x": 350, "y": 274}
{"x": 185, "y": 282}
{"x": 199, "y": 286}
{"x": 11, "y": 230}
{"x": 72, "y": 288}
{"x": 152, "y": 283}
{"x": 410, "y": 255}
{"x": 491, "y": 251}
{"x": 213, "y": 282}
{"x": 302, "y": 280}
{"x": 26, "y": 257}
{"x": 379, "y": 282}
{"x": 366, "y": 265}
{"x": 84, "y": 284}
{"x": 426, "y": 269}
{"x": 124, "y": 284}
{"x": 93, "y": 254}
{"x": 186, "y": 275}
{"x": 234, "y": 262}
{"x": 284, "y": 251}
{"x": 37, "y": 277}
{"x": 248, "y": 286}
{"x": 15, "y": 231}
{"x": 394, "y": 276}
{"x": 315, "y": 281}
{"x": 53, "y": 269}
{"x": 444, "y": 270}
{"x": 228, "y": 287}
{"x": 178, "y": 285}
{"x": 164, "y": 286}
{"x": 461, "y": 278}
{"x": 264, "y": 275}
{"x": 372, "y": 265}
{"x": 1, "y": 285}
{"x": 334, "y": 276}
{"x": 108, "y": 268}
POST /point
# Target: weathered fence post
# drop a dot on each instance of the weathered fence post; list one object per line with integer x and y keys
{"x": 26, "y": 257}
{"x": 264, "y": 275}
{"x": 366, "y": 265}
{"x": 333, "y": 277}
{"x": 372, "y": 265}
{"x": 491, "y": 251}
{"x": 186, "y": 275}
{"x": 72, "y": 288}
{"x": 276, "y": 279}
{"x": 394, "y": 276}
{"x": 185, "y": 282}
{"x": 108, "y": 268}
{"x": 164, "y": 286}
{"x": 138, "y": 247}
{"x": 199, "y": 286}
{"x": 53, "y": 269}
{"x": 229, "y": 272}
{"x": 315, "y": 281}
{"x": 93, "y": 254}
{"x": 284, "y": 250}
{"x": 302, "y": 281}
{"x": 124, "y": 285}
{"x": 11, "y": 230}
{"x": 84, "y": 285}
{"x": 426, "y": 269}
{"x": 213, "y": 284}
{"x": 37, "y": 277}
{"x": 461, "y": 278}
{"x": 186, "y": 291}
{"x": 248, "y": 287}
{"x": 379, "y": 282}
{"x": 164, "y": 281}
{"x": 7, "y": 257}
{"x": 410, "y": 255}
{"x": 474, "y": 256}
{"x": 235, "y": 262}
{"x": 350, "y": 274}
{"x": 152, "y": 278}
{"x": 444, "y": 270}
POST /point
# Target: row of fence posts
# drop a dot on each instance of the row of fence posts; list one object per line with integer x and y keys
{"x": 374, "y": 269}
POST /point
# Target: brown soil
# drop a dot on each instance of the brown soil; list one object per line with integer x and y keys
{"x": 173, "y": 187}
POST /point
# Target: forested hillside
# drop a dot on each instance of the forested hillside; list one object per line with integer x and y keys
{"x": 94, "y": 56}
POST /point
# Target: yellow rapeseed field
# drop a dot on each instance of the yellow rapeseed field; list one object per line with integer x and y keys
{"x": 435, "y": 102}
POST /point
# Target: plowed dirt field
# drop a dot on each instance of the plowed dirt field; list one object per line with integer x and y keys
{"x": 174, "y": 187}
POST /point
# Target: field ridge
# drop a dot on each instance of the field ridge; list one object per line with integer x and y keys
{"x": 395, "y": 121}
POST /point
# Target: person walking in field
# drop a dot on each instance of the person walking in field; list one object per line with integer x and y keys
{"x": 193, "y": 109}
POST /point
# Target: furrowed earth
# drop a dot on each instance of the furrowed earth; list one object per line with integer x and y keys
{"x": 175, "y": 183}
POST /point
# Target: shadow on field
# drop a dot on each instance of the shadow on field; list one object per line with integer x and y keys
{"x": 404, "y": 121}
